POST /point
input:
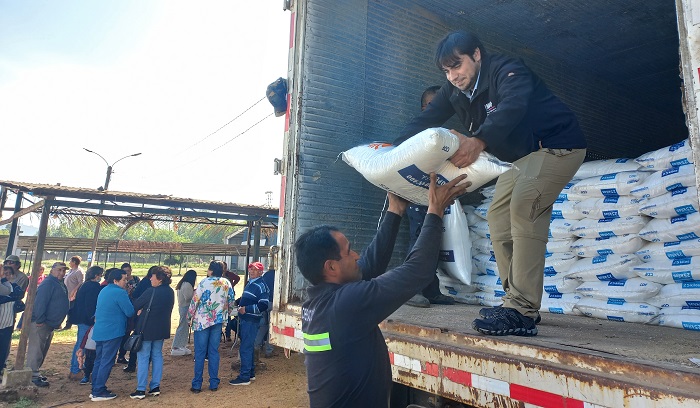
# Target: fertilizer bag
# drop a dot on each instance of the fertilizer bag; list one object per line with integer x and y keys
{"x": 456, "y": 248}
{"x": 405, "y": 169}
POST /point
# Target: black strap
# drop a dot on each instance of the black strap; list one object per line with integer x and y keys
{"x": 142, "y": 319}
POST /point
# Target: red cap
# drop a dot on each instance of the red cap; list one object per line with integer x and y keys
{"x": 256, "y": 265}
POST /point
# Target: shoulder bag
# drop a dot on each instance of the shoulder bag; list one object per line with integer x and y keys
{"x": 134, "y": 342}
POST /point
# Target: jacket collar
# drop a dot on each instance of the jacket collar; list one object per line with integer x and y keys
{"x": 321, "y": 288}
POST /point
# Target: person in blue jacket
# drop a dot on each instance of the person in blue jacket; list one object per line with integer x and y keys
{"x": 508, "y": 111}
{"x": 112, "y": 311}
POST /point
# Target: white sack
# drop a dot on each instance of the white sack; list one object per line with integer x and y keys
{"x": 560, "y": 303}
{"x": 670, "y": 270}
{"x": 608, "y": 227}
{"x": 490, "y": 299}
{"x": 560, "y": 284}
{"x": 566, "y": 210}
{"x": 456, "y": 248}
{"x": 678, "y": 294}
{"x": 555, "y": 246}
{"x": 405, "y": 169}
{"x": 485, "y": 264}
{"x": 625, "y": 312}
{"x": 678, "y": 310}
{"x": 653, "y": 251}
{"x": 488, "y": 283}
{"x": 630, "y": 290}
{"x": 567, "y": 194}
{"x": 598, "y": 168}
{"x": 614, "y": 184}
{"x": 472, "y": 217}
{"x": 559, "y": 228}
{"x": 680, "y": 228}
{"x": 558, "y": 263}
{"x": 488, "y": 192}
{"x": 481, "y": 229}
{"x": 604, "y": 268}
{"x": 609, "y": 207}
{"x": 676, "y": 202}
{"x": 660, "y": 182}
{"x": 482, "y": 209}
{"x": 680, "y": 321}
{"x": 676, "y": 155}
{"x": 590, "y": 247}
{"x": 483, "y": 246}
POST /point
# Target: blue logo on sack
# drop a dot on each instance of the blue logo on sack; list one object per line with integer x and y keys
{"x": 499, "y": 293}
{"x": 551, "y": 289}
{"x": 693, "y": 304}
{"x": 605, "y": 276}
{"x": 674, "y": 187}
{"x": 607, "y": 234}
{"x": 620, "y": 282}
{"x": 678, "y": 191}
{"x": 676, "y": 146}
{"x": 672, "y": 170}
{"x": 680, "y": 162}
{"x": 691, "y": 326}
{"x": 555, "y": 295}
{"x": 685, "y": 209}
{"x": 609, "y": 192}
{"x": 419, "y": 178}
{"x": 690, "y": 285}
{"x": 686, "y": 237}
{"x": 616, "y": 301}
{"x": 556, "y": 214}
{"x": 610, "y": 176}
{"x": 447, "y": 256}
{"x": 679, "y": 218}
{"x": 605, "y": 251}
{"x": 599, "y": 259}
{"x": 682, "y": 261}
{"x": 675, "y": 254}
{"x": 682, "y": 276}
{"x": 611, "y": 199}
{"x": 549, "y": 271}
{"x": 672, "y": 243}
{"x": 448, "y": 211}
{"x": 556, "y": 310}
{"x": 616, "y": 318}
{"x": 611, "y": 214}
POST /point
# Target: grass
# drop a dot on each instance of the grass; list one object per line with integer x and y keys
{"x": 24, "y": 402}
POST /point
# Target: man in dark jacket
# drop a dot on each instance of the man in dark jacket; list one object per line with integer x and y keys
{"x": 508, "y": 111}
{"x": 347, "y": 361}
{"x": 50, "y": 308}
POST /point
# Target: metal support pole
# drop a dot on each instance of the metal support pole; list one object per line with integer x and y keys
{"x": 12, "y": 239}
{"x": 3, "y": 199}
{"x": 247, "y": 254}
{"x": 256, "y": 242}
{"x": 34, "y": 278}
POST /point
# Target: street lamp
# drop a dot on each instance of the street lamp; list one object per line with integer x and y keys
{"x": 106, "y": 186}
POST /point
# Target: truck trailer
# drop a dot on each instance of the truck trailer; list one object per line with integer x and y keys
{"x": 356, "y": 70}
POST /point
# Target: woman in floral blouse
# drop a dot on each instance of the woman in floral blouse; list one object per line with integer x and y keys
{"x": 212, "y": 304}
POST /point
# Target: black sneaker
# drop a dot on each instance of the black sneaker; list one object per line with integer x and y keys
{"x": 129, "y": 369}
{"x": 441, "y": 300}
{"x": 105, "y": 396}
{"x": 138, "y": 394}
{"x": 507, "y": 321}
{"x": 122, "y": 360}
{"x": 154, "y": 392}
{"x": 487, "y": 312}
{"x": 39, "y": 382}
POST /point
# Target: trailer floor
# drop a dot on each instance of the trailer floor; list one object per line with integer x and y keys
{"x": 628, "y": 341}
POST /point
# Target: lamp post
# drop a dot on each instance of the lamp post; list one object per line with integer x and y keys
{"x": 106, "y": 186}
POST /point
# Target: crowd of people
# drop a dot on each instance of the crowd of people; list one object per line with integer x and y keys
{"x": 117, "y": 313}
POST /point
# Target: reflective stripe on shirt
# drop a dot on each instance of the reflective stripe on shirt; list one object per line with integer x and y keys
{"x": 317, "y": 342}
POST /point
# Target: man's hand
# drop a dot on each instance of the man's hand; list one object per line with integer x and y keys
{"x": 468, "y": 151}
{"x": 241, "y": 310}
{"x": 397, "y": 205}
{"x": 440, "y": 197}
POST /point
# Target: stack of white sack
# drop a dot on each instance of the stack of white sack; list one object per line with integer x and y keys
{"x": 460, "y": 292}
{"x": 672, "y": 237}
{"x": 564, "y": 216}
{"x": 608, "y": 227}
{"x": 405, "y": 169}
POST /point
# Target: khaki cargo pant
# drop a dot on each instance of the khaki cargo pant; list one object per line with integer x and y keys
{"x": 519, "y": 218}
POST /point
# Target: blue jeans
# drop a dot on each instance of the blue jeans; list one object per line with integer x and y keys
{"x": 263, "y": 338}
{"x": 151, "y": 352}
{"x": 105, "y": 353}
{"x": 206, "y": 345}
{"x": 74, "y": 367}
{"x": 249, "y": 330}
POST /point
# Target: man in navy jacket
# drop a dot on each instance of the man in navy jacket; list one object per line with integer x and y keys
{"x": 508, "y": 111}
{"x": 347, "y": 361}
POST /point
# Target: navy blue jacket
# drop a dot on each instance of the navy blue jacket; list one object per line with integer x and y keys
{"x": 512, "y": 112}
{"x": 347, "y": 361}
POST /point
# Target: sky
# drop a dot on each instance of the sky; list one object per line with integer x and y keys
{"x": 143, "y": 76}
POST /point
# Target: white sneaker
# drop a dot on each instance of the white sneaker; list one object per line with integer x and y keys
{"x": 178, "y": 352}
{"x": 187, "y": 351}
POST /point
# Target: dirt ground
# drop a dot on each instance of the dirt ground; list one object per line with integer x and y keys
{"x": 280, "y": 383}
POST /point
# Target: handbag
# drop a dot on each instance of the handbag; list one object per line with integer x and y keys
{"x": 134, "y": 342}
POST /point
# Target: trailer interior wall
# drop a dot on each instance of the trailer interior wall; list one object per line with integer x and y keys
{"x": 365, "y": 64}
